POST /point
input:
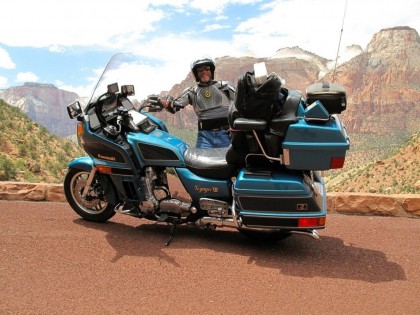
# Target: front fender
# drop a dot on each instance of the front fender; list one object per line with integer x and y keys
{"x": 84, "y": 163}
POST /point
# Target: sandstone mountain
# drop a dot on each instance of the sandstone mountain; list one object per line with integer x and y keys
{"x": 382, "y": 84}
{"x": 44, "y": 104}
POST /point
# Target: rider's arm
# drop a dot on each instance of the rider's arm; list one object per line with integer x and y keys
{"x": 167, "y": 103}
{"x": 173, "y": 105}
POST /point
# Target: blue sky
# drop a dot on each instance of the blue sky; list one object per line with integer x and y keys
{"x": 67, "y": 43}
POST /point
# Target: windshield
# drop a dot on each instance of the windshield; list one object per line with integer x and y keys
{"x": 118, "y": 70}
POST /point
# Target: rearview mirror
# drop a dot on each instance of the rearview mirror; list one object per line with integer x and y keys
{"x": 112, "y": 88}
{"x": 74, "y": 110}
{"x": 127, "y": 90}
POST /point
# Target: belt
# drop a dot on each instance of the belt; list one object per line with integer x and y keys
{"x": 214, "y": 124}
{"x": 217, "y": 129}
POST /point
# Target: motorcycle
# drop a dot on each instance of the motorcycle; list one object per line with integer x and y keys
{"x": 274, "y": 191}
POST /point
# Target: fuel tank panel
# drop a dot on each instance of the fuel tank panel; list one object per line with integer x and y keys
{"x": 158, "y": 148}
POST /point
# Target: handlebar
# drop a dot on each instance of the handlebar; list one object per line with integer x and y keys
{"x": 154, "y": 103}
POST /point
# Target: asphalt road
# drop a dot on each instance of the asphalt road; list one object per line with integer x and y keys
{"x": 53, "y": 262}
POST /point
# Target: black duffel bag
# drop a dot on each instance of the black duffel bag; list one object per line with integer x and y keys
{"x": 258, "y": 101}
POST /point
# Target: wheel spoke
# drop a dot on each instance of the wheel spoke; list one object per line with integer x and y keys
{"x": 91, "y": 203}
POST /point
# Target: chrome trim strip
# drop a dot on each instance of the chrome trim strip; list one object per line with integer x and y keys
{"x": 312, "y": 233}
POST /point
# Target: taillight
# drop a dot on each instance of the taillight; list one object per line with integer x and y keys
{"x": 337, "y": 162}
{"x": 311, "y": 222}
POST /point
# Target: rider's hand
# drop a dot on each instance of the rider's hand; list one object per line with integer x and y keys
{"x": 166, "y": 101}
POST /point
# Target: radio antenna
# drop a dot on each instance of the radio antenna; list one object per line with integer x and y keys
{"x": 339, "y": 42}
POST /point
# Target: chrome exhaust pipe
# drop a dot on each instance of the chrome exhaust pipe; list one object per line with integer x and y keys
{"x": 312, "y": 233}
{"x": 217, "y": 222}
{"x": 230, "y": 223}
{"x": 119, "y": 208}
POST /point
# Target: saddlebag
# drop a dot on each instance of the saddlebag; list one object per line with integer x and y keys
{"x": 331, "y": 95}
{"x": 276, "y": 199}
{"x": 315, "y": 146}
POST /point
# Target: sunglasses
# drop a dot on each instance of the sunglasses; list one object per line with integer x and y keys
{"x": 201, "y": 69}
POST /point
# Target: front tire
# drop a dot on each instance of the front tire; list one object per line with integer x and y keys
{"x": 94, "y": 206}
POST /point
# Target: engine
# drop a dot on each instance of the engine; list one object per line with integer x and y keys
{"x": 157, "y": 197}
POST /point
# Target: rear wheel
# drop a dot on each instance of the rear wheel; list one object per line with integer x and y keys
{"x": 263, "y": 236}
{"x": 94, "y": 205}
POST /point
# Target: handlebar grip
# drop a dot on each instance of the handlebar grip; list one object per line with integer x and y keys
{"x": 175, "y": 104}
{"x": 153, "y": 99}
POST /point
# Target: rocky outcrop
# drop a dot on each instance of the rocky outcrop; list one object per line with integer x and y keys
{"x": 347, "y": 203}
{"x": 382, "y": 84}
{"x": 44, "y": 104}
{"x": 32, "y": 191}
{"x": 404, "y": 205}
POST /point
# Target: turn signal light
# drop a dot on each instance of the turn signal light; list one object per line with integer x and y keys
{"x": 79, "y": 132}
{"x": 311, "y": 222}
{"x": 104, "y": 169}
{"x": 337, "y": 162}
{"x": 79, "y": 129}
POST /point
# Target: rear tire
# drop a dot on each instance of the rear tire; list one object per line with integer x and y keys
{"x": 268, "y": 237}
{"x": 94, "y": 206}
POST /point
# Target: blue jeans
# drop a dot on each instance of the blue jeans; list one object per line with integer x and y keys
{"x": 212, "y": 139}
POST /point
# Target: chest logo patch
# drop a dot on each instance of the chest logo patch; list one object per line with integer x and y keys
{"x": 207, "y": 93}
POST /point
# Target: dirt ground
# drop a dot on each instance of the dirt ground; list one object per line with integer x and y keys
{"x": 53, "y": 262}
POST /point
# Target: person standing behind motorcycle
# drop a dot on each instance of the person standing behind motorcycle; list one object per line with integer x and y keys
{"x": 211, "y": 100}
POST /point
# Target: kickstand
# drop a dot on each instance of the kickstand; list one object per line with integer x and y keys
{"x": 173, "y": 228}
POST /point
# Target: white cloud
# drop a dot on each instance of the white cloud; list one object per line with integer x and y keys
{"x": 217, "y": 6}
{"x": 316, "y": 25}
{"x": 313, "y": 25}
{"x": 5, "y": 61}
{"x": 213, "y": 27}
{"x": 78, "y": 22}
{"x": 26, "y": 77}
{"x": 84, "y": 90}
{"x": 57, "y": 48}
{"x": 81, "y": 90}
{"x": 221, "y": 17}
{"x": 3, "y": 82}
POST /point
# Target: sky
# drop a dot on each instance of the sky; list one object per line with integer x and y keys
{"x": 68, "y": 43}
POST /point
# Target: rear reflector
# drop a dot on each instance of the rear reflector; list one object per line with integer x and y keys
{"x": 337, "y": 162}
{"x": 311, "y": 222}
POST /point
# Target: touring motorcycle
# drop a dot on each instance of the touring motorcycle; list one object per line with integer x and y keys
{"x": 268, "y": 184}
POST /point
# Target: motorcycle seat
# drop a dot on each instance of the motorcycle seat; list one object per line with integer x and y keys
{"x": 210, "y": 163}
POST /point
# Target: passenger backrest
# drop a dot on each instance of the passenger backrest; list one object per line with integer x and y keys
{"x": 279, "y": 124}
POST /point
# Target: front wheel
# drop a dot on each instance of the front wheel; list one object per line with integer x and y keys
{"x": 94, "y": 205}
